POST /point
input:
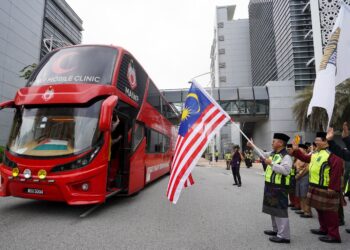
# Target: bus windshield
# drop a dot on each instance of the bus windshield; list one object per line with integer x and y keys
{"x": 55, "y": 131}
{"x": 87, "y": 64}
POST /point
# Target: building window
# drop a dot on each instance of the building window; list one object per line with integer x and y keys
{"x": 220, "y": 25}
{"x": 221, "y": 51}
{"x": 222, "y": 78}
{"x": 222, "y": 65}
{"x": 221, "y": 38}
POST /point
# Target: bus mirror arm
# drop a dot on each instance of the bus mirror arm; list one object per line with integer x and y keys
{"x": 106, "y": 113}
{"x": 7, "y": 104}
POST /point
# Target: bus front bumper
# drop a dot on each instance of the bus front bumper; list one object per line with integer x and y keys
{"x": 78, "y": 187}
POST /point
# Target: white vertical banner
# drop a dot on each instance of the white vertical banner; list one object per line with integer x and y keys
{"x": 334, "y": 66}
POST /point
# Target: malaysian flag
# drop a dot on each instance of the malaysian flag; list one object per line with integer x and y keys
{"x": 201, "y": 118}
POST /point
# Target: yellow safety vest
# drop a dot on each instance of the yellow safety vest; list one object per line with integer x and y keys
{"x": 228, "y": 156}
{"x": 319, "y": 169}
{"x": 273, "y": 177}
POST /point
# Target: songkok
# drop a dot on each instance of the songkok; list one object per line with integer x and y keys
{"x": 307, "y": 144}
{"x": 289, "y": 145}
{"x": 321, "y": 134}
{"x": 303, "y": 146}
{"x": 281, "y": 136}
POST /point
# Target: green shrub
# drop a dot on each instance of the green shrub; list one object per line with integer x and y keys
{"x": 1, "y": 153}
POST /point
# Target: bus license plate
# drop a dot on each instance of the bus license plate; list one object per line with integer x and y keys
{"x": 34, "y": 191}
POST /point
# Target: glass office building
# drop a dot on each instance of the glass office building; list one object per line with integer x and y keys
{"x": 23, "y": 27}
{"x": 62, "y": 26}
{"x": 281, "y": 42}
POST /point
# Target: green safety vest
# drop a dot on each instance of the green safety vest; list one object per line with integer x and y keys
{"x": 228, "y": 156}
{"x": 216, "y": 153}
{"x": 273, "y": 177}
{"x": 319, "y": 169}
{"x": 292, "y": 171}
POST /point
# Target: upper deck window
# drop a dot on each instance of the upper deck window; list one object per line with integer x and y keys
{"x": 88, "y": 64}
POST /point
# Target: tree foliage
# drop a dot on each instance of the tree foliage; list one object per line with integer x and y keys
{"x": 27, "y": 71}
{"x": 318, "y": 119}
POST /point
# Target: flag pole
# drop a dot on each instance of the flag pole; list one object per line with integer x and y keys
{"x": 258, "y": 150}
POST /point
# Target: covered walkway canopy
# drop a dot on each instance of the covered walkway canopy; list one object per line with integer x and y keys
{"x": 242, "y": 103}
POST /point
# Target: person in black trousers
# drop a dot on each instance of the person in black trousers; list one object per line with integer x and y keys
{"x": 235, "y": 165}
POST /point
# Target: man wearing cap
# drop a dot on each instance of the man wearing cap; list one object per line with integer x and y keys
{"x": 277, "y": 181}
{"x": 325, "y": 171}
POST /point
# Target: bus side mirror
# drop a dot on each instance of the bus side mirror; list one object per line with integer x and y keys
{"x": 7, "y": 104}
{"x": 107, "y": 112}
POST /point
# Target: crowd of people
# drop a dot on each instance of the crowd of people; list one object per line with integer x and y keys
{"x": 311, "y": 175}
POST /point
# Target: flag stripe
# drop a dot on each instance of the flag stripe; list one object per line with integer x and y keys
{"x": 189, "y": 159}
{"x": 195, "y": 132}
{"x": 188, "y": 171}
{"x": 189, "y": 147}
{"x": 198, "y": 125}
{"x": 210, "y": 113}
{"x": 189, "y": 136}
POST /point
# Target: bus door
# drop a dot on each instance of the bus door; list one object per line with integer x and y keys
{"x": 137, "y": 159}
{"x": 120, "y": 152}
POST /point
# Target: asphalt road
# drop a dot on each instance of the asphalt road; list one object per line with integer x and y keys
{"x": 212, "y": 214}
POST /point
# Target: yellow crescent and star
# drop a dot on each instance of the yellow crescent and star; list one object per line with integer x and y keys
{"x": 186, "y": 113}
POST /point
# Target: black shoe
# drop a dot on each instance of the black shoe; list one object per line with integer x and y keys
{"x": 299, "y": 212}
{"x": 270, "y": 232}
{"x": 234, "y": 184}
{"x": 318, "y": 232}
{"x": 278, "y": 240}
{"x": 347, "y": 230}
{"x": 239, "y": 185}
{"x": 290, "y": 205}
{"x": 306, "y": 216}
{"x": 329, "y": 239}
{"x": 341, "y": 223}
{"x": 295, "y": 208}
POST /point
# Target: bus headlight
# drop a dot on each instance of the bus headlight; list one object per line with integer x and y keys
{"x": 79, "y": 163}
{"x": 15, "y": 172}
{"x": 42, "y": 174}
{"x": 27, "y": 173}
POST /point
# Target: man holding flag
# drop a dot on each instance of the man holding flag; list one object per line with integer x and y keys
{"x": 277, "y": 181}
{"x": 201, "y": 118}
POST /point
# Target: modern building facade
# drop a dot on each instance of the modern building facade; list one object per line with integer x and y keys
{"x": 262, "y": 42}
{"x": 230, "y": 64}
{"x": 230, "y": 51}
{"x": 282, "y": 45}
{"x": 23, "y": 26}
{"x": 62, "y": 26}
{"x": 300, "y": 32}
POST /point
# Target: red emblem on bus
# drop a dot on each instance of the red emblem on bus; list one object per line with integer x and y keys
{"x": 48, "y": 94}
{"x": 131, "y": 74}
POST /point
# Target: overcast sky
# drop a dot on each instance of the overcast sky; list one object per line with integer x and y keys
{"x": 170, "y": 38}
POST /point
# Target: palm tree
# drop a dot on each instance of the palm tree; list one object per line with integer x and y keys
{"x": 318, "y": 119}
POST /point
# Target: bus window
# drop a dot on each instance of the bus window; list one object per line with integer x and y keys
{"x": 166, "y": 144}
{"x": 55, "y": 131}
{"x": 153, "y": 97}
{"x": 157, "y": 142}
{"x": 88, "y": 64}
{"x": 138, "y": 135}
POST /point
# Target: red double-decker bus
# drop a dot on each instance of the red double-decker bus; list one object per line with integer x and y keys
{"x": 60, "y": 146}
